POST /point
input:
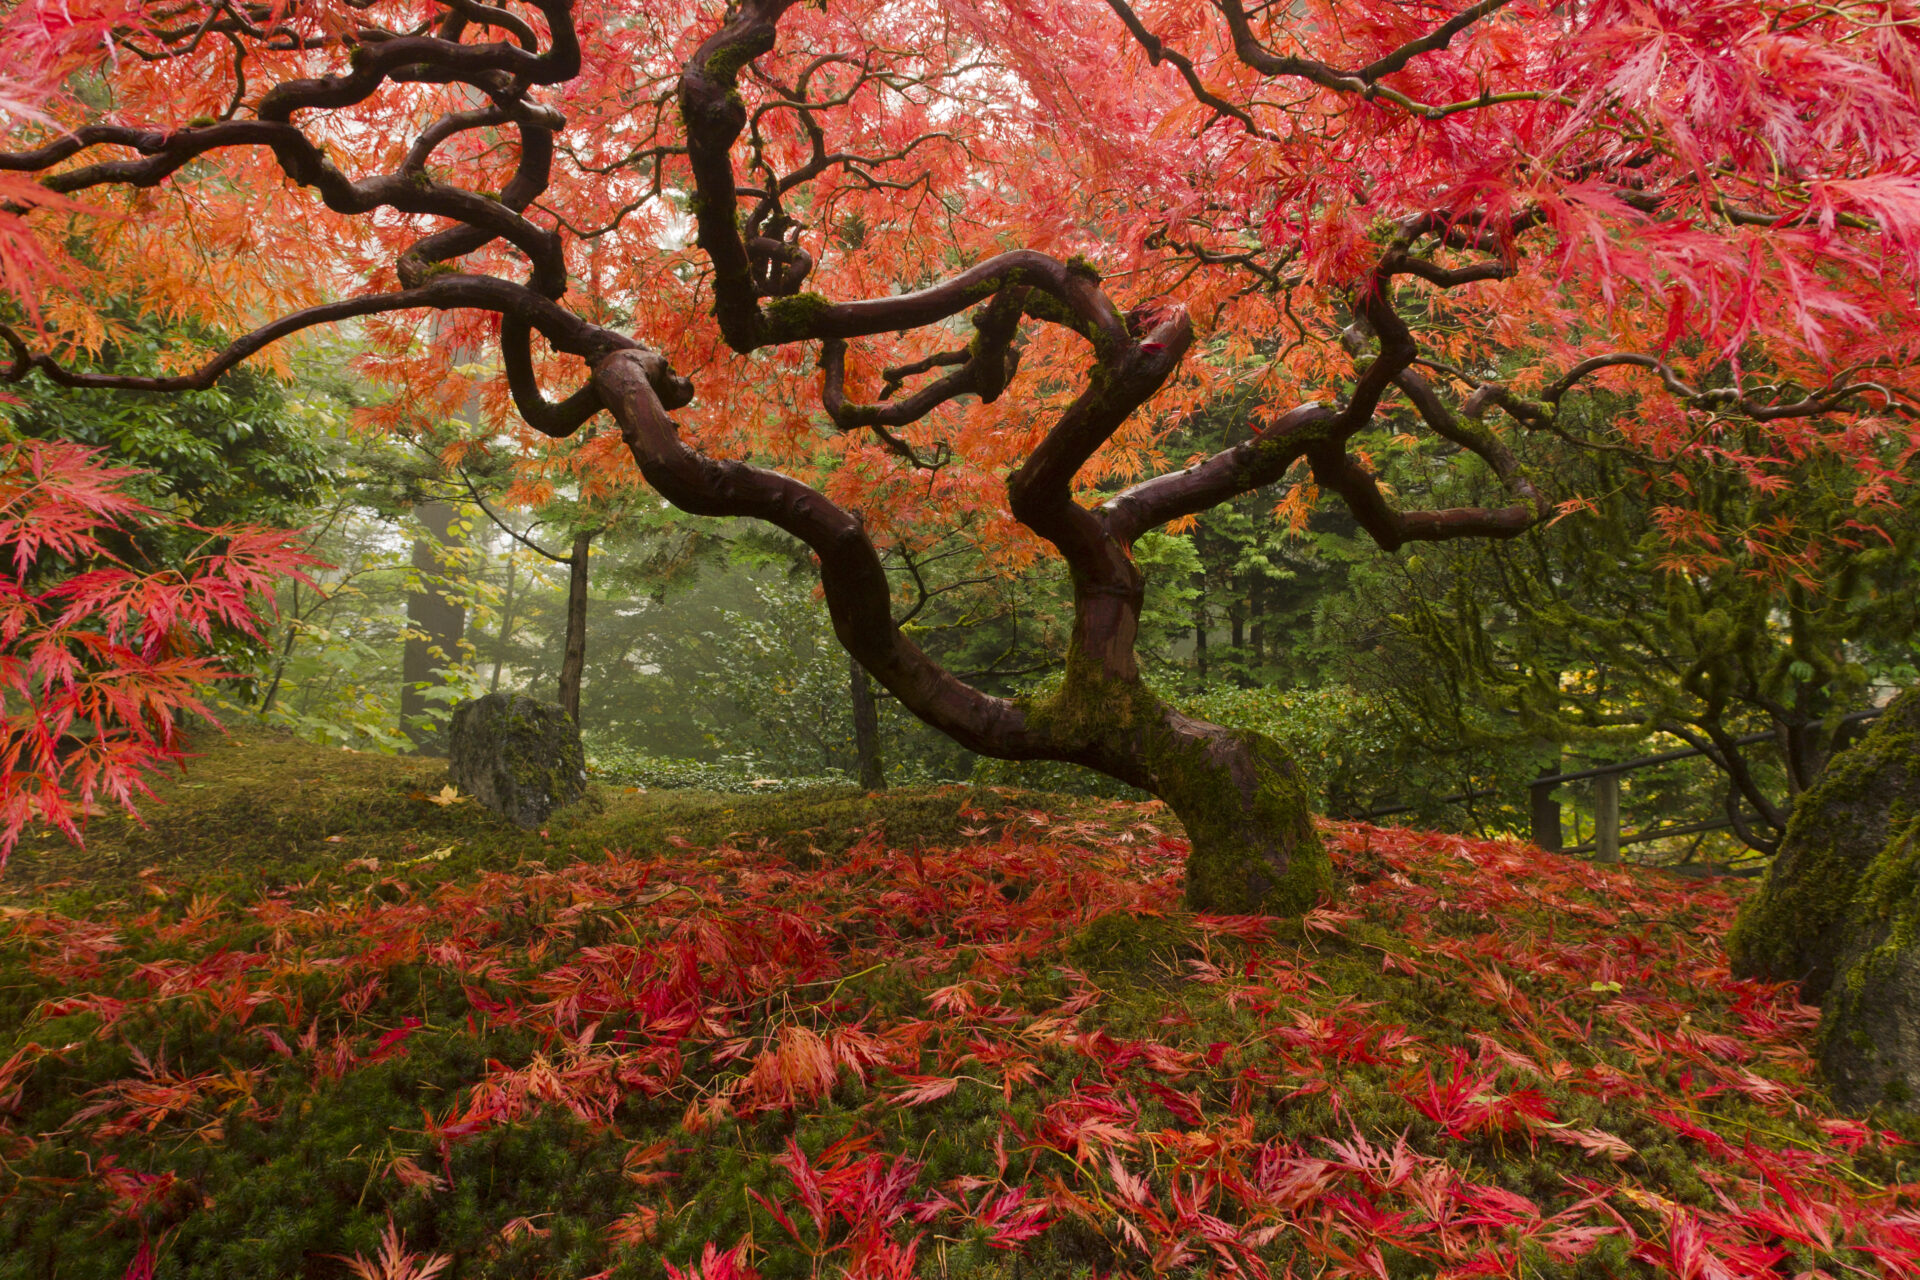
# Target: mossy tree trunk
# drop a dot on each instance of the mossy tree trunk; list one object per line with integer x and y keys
{"x": 1254, "y": 848}
{"x": 1249, "y": 817}
{"x": 1839, "y": 912}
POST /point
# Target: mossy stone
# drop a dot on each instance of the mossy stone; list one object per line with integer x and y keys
{"x": 519, "y": 757}
{"x": 1870, "y": 1027}
{"x": 1794, "y": 927}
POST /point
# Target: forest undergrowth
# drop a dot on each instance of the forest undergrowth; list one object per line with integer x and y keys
{"x": 1003, "y": 1050}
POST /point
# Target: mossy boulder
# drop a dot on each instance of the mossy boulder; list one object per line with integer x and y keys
{"x": 1870, "y": 1028}
{"x": 517, "y": 756}
{"x": 1795, "y": 927}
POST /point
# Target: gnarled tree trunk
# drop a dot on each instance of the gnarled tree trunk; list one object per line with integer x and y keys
{"x": 1238, "y": 794}
{"x": 1249, "y": 817}
{"x": 1254, "y": 848}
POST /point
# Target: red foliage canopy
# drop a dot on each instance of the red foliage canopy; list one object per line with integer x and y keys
{"x": 1448, "y": 219}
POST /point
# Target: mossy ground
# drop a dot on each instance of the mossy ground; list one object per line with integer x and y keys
{"x": 990, "y": 1043}
{"x": 261, "y": 808}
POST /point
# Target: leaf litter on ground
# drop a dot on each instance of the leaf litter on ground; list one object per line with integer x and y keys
{"x": 1010, "y": 1055}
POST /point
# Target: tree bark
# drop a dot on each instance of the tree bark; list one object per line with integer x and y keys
{"x": 436, "y": 622}
{"x": 285, "y": 655}
{"x": 573, "y": 663}
{"x": 1792, "y": 928}
{"x": 1253, "y": 846}
{"x": 1256, "y": 610}
{"x": 1200, "y": 636}
{"x": 866, "y": 728}
{"x": 505, "y": 632}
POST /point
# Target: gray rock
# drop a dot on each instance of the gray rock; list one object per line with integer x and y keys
{"x": 517, "y": 756}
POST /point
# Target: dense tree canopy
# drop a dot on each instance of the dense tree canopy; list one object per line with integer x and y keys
{"x": 1578, "y": 635}
{"x": 752, "y": 234}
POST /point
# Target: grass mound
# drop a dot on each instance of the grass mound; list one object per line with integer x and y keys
{"x": 1006, "y": 1052}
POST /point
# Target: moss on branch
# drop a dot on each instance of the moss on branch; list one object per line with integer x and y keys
{"x": 795, "y": 318}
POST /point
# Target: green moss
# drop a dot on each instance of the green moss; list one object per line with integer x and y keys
{"x": 262, "y": 808}
{"x": 724, "y": 63}
{"x": 1876, "y": 940}
{"x": 1081, "y": 265}
{"x": 303, "y": 1179}
{"x": 1088, "y": 707}
{"x": 982, "y": 289}
{"x": 1119, "y": 942}
{"x": 1044, "y": 306}
{"x": 719, "y": 209}
{"x": 795, "y": 318}
{"x": 1791, "y": 928}
{"x": 590, "y": 805}
{"x": 1251, "y": 828}
{"x": 1889, "y": 898}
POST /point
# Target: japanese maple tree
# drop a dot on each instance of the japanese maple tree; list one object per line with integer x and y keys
{"x": 1016, "y": 241}
{"x": 104, "y": 655}
{"x": 103, "y": 658}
